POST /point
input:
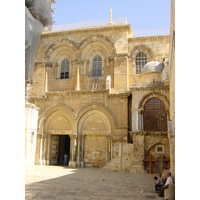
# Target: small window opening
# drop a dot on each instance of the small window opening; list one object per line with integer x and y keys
{"x": 64, "y": 71}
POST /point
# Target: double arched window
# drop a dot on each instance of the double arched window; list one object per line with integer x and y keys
{"x": 140, "y": 61}
{"x": 64, "y": 69}
{"x": 155, "y": 117}
{"x": 97, "y": 66}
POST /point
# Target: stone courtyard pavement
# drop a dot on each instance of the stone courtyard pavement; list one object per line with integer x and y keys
{"x": 58, "y": 182}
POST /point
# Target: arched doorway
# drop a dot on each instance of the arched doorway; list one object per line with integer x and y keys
{"x": 157, "y": 158}
{"x": 55, "y": 141}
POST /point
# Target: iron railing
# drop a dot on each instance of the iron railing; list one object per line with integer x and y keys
{"x": 106, "y": 21}
{"x": 91, "y": 23}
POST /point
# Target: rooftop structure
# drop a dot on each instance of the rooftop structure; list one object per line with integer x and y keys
{"x": 108, "y": 22}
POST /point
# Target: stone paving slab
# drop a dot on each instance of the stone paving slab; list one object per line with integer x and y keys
{"x": 57, "y": 182}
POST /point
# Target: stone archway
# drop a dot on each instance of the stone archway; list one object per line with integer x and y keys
{"x": 58, "y": 128}
{"x": 156, "y": 158}
{"x": 94, "y": 139}
{"x": 55, "y": 132}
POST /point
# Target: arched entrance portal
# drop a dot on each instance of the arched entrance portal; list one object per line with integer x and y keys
{"x": 57, "y": 138}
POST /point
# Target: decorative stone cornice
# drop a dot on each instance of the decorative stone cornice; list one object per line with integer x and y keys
{"x": 149, "y": 133}
{"x": 148, "y": 86}
{"x": 150, "y": 72}
{"x": 115, "y": 27}
{"x": 148, "y": 38}
{"x": 122, "y": 127}
{"x": 60, "y": 132}
{"x": 31, "y": 105}
{"x": 82, "y": 92}
{"x": 95, "y": 135}
{"x": 170, "y": 135}
{"x": 122, "y": 55}
{"x": 122, "y": 95}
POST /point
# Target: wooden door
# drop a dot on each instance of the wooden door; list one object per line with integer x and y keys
{"x": 54, "y": 149}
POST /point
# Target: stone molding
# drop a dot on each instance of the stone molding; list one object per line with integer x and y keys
{"x": 148, "y": 38}
{"x": 155, "y": 94}
{"x": 150, "y": 72}
{"x": 115, "y": 27}
{"x": 59, "y": 43}
{"x": 151, "y": 133}
{"x": 96, "y": 135}
{"x": 60, "y": 132}
{"x": 144, "y": 48}
{"x": 31, "y": 105}
{"x": 81, "y": 92}
{"x": 122, "y": 55}
{"x": 149, "y": 86}
{"x": 99, "y": 107}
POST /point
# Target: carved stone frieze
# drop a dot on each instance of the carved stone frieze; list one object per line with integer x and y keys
{"x": 117, "y": 27}
{"x": 148, "y": 38}
{"x": 151, "y": 133}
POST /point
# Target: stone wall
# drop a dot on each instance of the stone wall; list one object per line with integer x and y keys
{"x": 171, "y": 123}
{"x": 31, "y": 120}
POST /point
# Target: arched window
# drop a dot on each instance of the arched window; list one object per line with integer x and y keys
{"x": 155, "y": 117}
{"x": 140, "y": 61}
{"x": 97, "y": 66}
{"x": 64, "y": 69}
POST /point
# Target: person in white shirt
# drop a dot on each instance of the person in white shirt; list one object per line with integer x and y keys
{"x": 169, "y": 181}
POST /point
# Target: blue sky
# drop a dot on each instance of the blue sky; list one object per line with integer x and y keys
{"x": 141, "y": 14}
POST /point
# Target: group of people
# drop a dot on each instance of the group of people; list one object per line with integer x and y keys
{"x": 63, "y": 161}
{"x": 161, "y": 184}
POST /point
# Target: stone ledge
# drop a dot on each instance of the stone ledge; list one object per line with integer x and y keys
{"x": 31, "y": 105}
{"x": 152, "y": 133}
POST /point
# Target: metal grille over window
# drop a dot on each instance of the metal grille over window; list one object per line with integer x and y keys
{"x": 155, "y": 117}
{"x": 64, "y": 71}
{"x": 140, "y": 61}
{"x": 97, "y": 66}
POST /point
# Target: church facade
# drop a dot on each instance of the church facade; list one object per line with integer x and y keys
{"x": 103, "y": 99}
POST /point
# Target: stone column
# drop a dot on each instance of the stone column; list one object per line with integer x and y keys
{"x": 78, "y": 79}
{"x": 112, "y": 71}
{"x": 46, "y": 80}
{"x": 82, "y": 150}
{"x": 48, "y": 148}
{"x": 120, "y": 155}
{"x": 140, "y": 121}
{"x": 76, "y": 65}
{"x": 37, "y": 150}
{"x": 108, "y": 157}
{"x": 127, "y": 71}
{"x": 137, "y": 120}
{"x": 31, "y": 122}
{"x": 78, "y": 151}
{"x": 84, "y": 76}
{"x": 72, "y": 162}
{"x": 171, "y": 136}
{"x": 45, "y": 150}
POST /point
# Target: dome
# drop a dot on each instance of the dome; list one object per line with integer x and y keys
{"x": 153, "y": 66}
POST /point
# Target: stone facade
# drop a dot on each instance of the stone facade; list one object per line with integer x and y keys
{"x": 100, "y": 116}
{"x": 171, "y": 124}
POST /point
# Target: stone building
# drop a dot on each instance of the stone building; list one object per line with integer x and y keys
{"x": 103, "y": 99}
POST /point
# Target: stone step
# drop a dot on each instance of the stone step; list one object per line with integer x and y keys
{"x": 112, "y": 165}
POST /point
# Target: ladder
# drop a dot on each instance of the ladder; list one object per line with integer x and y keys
{"x": 95, "y": 85}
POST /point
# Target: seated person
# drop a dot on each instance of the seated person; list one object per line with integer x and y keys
{"x": 158, "y": 182}
{"x": 169, "y": 181}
